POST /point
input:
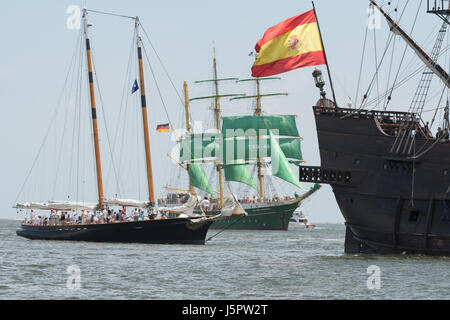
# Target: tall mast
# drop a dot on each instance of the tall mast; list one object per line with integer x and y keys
{"x": 93, "y": 111}
{"x": 217, "y": 112}
{"x": 188, "y": 129}
{"x": 259, "y": 164}
{"x": 148, "y": 159}
{"x": 216, "y": 98}
{"x": 258, "y": 112}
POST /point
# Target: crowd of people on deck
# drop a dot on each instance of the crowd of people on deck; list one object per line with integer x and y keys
{"x": 107, "y": 215}
{"x": 213, "y": 204}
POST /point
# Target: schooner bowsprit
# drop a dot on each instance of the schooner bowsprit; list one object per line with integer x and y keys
{"x": 186, "y": 228}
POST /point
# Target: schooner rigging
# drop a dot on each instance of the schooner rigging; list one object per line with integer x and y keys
{"x": 182, "y": 229}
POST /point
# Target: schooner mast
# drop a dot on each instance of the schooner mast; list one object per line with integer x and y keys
{"x": 93, "y": 111}
{"x": 148, "y": 158}
{"x": 188, "y": 130}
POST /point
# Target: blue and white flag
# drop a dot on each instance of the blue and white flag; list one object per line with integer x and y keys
{"x": 135, "y": 87}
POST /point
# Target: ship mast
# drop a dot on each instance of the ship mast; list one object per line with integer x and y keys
{"x": 148, "y": 158}
{"x": 93, "y": 111}
{"x": 259, "y": 165}
{"x": 258, "y": 112}
{"x": 429, "y": 62}
{"x": 188, "y": 129}
{"x": 216, "y": 98}
{"x": 217, "y": 113}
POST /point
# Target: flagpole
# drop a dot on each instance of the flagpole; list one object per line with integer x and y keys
{"x": 324, "y": 54}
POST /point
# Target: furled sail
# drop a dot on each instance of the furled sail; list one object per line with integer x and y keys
{"x": 187, "y": 208}
{"x": 232, "y": 207}
{"x": 32, "y": 205}
{"x": 57, "y": 205}
{"x": 125, "y": 202}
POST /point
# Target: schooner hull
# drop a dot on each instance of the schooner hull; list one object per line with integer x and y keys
{"x": 168, "y": 231}
{"x": 274, "y": 217}
{"x": 380, "y": 213}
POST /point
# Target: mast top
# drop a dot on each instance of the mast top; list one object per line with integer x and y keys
{"x": 87, "y": 24}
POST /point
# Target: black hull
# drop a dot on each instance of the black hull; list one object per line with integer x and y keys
{"x": 379, "y": 213}
{"x": 169, "y": 231}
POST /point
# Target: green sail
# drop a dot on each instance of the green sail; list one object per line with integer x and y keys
{"x": 239, "y": 150}
{"x": 198, "y": 148}
{"x": 198, "y": 178}
{"x": 282, "y": 168}
{"x": 291, "y": 148}
{"x": 239, "y": 173}
{"x": 285, "y": 124}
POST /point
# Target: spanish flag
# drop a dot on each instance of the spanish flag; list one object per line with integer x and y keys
{"x": 291, "y": 44}
{"x": 162, "y": 127}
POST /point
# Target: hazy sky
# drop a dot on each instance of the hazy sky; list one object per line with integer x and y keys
{"x": 37, "y": 50}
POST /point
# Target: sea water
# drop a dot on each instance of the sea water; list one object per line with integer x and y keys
{"x": 296, "y": 264}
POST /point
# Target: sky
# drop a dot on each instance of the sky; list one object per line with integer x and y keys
{"x": 38, "y": 46}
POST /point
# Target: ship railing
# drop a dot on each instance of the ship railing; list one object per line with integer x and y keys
{"x": 438, "y": 6}
{"x": 384, "y": 117}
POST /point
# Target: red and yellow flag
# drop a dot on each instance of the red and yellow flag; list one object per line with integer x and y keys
{"x": 291, "y": 44}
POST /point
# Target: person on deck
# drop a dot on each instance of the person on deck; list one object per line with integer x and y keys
{"x": 124, "y": 216}
{"x": 31, "y": 215}
{"x": 205, "y": 205}
{"x": 427, "y": 130}
{"x": 445, "y": 135}
{"x": 439, "y": 133}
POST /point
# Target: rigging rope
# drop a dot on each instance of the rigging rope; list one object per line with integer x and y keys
{"x": 106, "y": 125}
{"x": 47, "y": 132}
{"x": 159, "y": 92}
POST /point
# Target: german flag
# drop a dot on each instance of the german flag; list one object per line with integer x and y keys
{"x": 291, "y": 44}
{"x": 162, "y": 127}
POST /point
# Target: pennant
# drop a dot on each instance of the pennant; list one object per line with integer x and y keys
{"x": 135, "y": 87}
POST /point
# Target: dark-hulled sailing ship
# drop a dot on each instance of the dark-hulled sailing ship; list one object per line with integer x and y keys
{"x": 389, "y": 175}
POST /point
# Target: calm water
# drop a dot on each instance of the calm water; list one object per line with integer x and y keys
{"x": 297, "y": 264}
